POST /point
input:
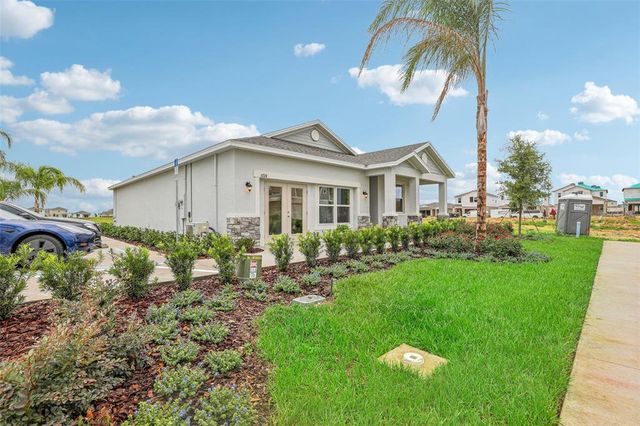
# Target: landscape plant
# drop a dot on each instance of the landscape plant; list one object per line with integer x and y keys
{"x": 281, "y": 246}
{"x": 180, "y": 382}
{"x": 197, "y": 314}
{"x": 309, "y": 245}
{"x": 379, "y": 238}
{"x": 393, "y": 236}
{"x": 39, "y": 182}
{"x": 185, "y": 298}
{"x": 366, "y": 240}
{"x": 171, "y": 413}
{"x": 255, "y": 289}
{"x": 225, "y": 406}
{"x": 65, "y": 277}
{"x": 405, "y": 238}
{"x": 212, "y": 332}
{"x": 181, "y": 257}
{"x": 351, "y": 241}
{"x": 14, "y": 274}
{"x": 182, "y": 350}
{"x": 332, "y": 244}
{"x": 286, "y": 284}
{"x": 311, "y": 279}
{"x": 414, "y": 230}
{"x": 225, "y": 301}
{"x": 163, "y": 313}
{"x": 224, "y": 252}
{"x": 221, "y": 362}
{"x": 133, "y": 269}
{"x": 163, "y": 332}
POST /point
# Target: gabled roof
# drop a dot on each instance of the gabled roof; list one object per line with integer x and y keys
{"x": 474, "y": 190}
{"x": 634, "y": 186}
{"x": 590, "y": 187}
{"x": 282, "y": 134}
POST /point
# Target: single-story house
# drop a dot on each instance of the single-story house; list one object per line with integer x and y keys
{"x": 599, "y": 194}
{"x": 82, "y": 214}
{"x": 106, "y": 213}
{"x": 466, "y": 204}
{"x": 56, "y": 212}
{"x": 433, "y": 209}
{"x": 631, "y": 196}
{"x": 302, "y": 178}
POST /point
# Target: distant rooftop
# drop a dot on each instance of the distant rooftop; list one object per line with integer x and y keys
{"x": 590, "y": 187}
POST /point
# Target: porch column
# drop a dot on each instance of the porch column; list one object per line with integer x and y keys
{"x": 389, "y": 216}
{"x": 442, "y": 200}
{"x": 413, "y": 201}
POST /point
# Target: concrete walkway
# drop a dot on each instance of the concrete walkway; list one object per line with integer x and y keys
{"x": 605, "y": 381}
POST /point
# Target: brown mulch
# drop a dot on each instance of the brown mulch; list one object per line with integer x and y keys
{"x": 29, "y": 323}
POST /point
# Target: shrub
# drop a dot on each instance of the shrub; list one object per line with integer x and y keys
{"x": 159, "y": 414}
{"x": 78, "y": 362}
{"x": 180, "y": 382}
{"x": 415, "y": 233}
{"x": 186, "y": 298}
{"x": 14, "y": 274}
{"x": 225, "y": 254}
{"x": 311, "y": 279}
{"x": 161, "y": 314}
{"x": 286, "y": 284}
{"x": 351, "y": 240}
{"x": 366, "y": 240}
{"x": 163, "y": 332}
{"x": 378, "y": 238}
{"x": 181, "y": 258}
{"x": 224, "y": 406}
{"x": 133, "y": 268}
{"x": 465, "y": 228}
{"x": 221, "y": 362}
{"x": 358, "y": 267}
{"x": 225, "y": 301}
{"x": 428, "y": 230}
{"x": 504, "y": 248}
{"x": 535, "y": 257}
{"x": 321, "y": 270}
{"x": 309, "y": 245}
{"x": 377, "y": 264}
{"x": 66, "y": 278}
{"x": 245, "y": 244}
{"x": 213, "y": 332}
{"x": 393, "y": 236}
{"x": 405, "y": 238}
{"x": 255, "y": 289}
{"x": 182, "y": 350}
{"x": 197, "y": 314}
{"x": 451, "y": 242}
{"x": 332, "y": 244}
{"x": 281, "y": 246}
{"x": 395, "y": 258}
{"x": 338, "y": 270}
{"x": 500, "y": 230}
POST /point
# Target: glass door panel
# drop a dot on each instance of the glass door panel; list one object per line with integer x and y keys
{"x": 275, "y": 209}
{"x": 297, "y": 210}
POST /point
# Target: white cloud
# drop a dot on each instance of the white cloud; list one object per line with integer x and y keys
{"x": 545, "y": 137}
{"x": 23, "y": 19}
{"x": 6, "y": 76}
{"x": 45, "y": 103}
{"x": 134, "y": 132}
{"x": 80, "y": 83}
{"x": 596, "y": 104}
{"x": 98, "y": 187}
{"x": 425, "y": 87}
{"x": 358, "y": 150}
{"x": 303, "y": 50}
{"x": 466, "y": 180}
{"x": 613, "y": 183}
{"x": 10, "y": 109}
{"x": 542, "y": 116}
{"x": 582, "y": 135}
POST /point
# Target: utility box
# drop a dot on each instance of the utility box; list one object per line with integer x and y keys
{"x": 574, "y": 209}
{"x": 249, "y": 267}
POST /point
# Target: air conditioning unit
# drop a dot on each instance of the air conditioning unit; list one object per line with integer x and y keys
{"x": 197, "y": 228}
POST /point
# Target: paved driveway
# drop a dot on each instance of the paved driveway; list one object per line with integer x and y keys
{"x": 203, "y": 267}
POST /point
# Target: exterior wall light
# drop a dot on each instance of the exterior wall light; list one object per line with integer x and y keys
{"x": 248, "y": 186}
{"x": 365, "y": 194}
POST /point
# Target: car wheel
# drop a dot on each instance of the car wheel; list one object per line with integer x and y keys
{"x": 44, "y": 243}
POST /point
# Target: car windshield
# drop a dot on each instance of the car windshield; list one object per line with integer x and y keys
{"x": 5, "y": 215}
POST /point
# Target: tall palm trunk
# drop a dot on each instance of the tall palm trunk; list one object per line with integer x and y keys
{"x": 481, "y": 128}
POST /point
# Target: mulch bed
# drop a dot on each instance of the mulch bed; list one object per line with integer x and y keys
{"x": 29, "y": 323}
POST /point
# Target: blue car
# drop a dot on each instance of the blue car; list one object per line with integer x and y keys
{"x": 52, "y": 237}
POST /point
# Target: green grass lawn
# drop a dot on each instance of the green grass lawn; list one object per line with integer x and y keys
{"x": 100, "y": 220}
{"x": 509, "y": 332}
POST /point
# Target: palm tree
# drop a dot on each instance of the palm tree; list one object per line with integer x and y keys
{"x": 452, "y": 35}
{"x": 39, "y": 182}
{"x": 4, "y": 135}
{"x": 11, "y": 190}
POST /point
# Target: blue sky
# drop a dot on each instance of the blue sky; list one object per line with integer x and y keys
{"x": 108, "y": 89}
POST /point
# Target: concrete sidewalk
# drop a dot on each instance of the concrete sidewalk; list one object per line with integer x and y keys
{"x": 605, "y": 380}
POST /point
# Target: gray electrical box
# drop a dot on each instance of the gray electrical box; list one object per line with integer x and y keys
{"x": 574, "y": 209}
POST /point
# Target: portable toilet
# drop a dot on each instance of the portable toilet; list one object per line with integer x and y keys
{"x": 574, "y": 209}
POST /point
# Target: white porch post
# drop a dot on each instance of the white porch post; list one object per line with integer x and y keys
{"x": 414, "y": 197}
{"x": 442, "y": 200}
{"x": 389, "y": 216}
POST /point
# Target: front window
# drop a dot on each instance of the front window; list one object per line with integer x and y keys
{"x": 399, "y": 198}
{"x": 334, "y": 205}
{"x": 471, "y": 199}
{"x": 459, "y": 200}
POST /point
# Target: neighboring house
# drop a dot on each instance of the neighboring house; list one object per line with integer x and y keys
{"x": 433, "y": 209}
{"x": 631, "y": 199}
{"x": 599, "y": 194}
{"x": 56, "y": 212}
{"x": 613, "y": 208}
{"x": 106, "y": 213}
{"x": 303, "y": 178}
{"x": 81, "y": 214}
{"x": 466, "y": 204}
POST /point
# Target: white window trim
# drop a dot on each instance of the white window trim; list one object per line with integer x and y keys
{"x": 404, "y": 199}
{"x": 335, "y": 206}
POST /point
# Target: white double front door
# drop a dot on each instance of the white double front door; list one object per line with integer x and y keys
{"x": 285, "y": 209}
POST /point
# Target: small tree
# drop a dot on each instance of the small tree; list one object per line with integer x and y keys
{"x": 527, "y": 176}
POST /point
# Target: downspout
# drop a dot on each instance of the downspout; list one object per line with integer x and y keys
{"x": 215, "y": 188}
{"x": 191, "y": 191}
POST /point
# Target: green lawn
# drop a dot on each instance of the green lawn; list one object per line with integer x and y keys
{"x": 509, "y": 332}
{"x": 99, "y": 220}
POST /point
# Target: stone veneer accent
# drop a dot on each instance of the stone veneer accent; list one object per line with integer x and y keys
{"x": 389, "y": 221}
{"x": 245, "y": 226}
{"x": 413, "y": 219}
{"x": 363, "y": 221}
